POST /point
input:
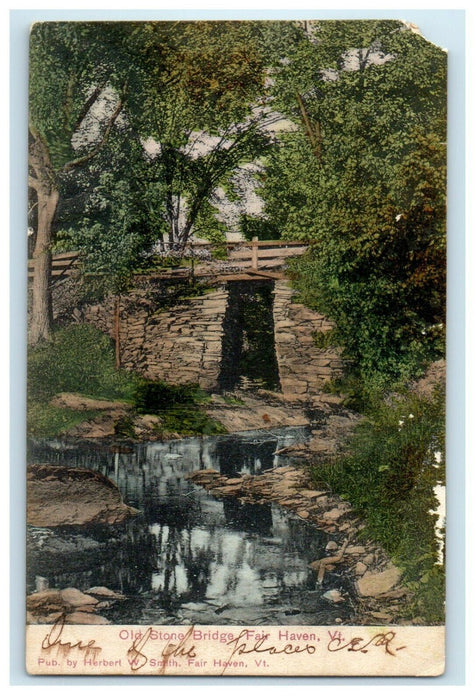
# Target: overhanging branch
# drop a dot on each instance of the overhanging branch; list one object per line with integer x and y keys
{"x": 82, "y": 160}
{"x": 33, "y": 182}
{"x": 88, "y": 104}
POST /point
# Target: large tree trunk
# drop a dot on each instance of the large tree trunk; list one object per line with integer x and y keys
{"x": 41, "y": 310}
{"x": 42, "y": 180}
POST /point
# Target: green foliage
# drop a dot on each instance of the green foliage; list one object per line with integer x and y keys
{"x": 191, "y": 421}
{"x": 124, "y": 428}
{"x": 364, "y": 179}
{"x": 258, "y": 226}
{"x": 68, "y": 61}
{"x": 79, "y": 359}
{"x": 363, "y": 394}
{"x": 178, "y": 406}
{"x": 209, "y": 76}
{"x": 157, "y": 396}
{"x": 324, "y": 340}
{"x": 119, "y": 113}
{"x": 219, "y": 252}
{"x": 111, "y": 213}
{"x": 388, "y": 475}
{"x": 208, "y": 226}
{"x": 46, "y": 421}
{"x": 206, "y": 72}
{"x": 382, "y": 331}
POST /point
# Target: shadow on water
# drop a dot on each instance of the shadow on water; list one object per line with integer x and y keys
{"x": 188, "y": 557}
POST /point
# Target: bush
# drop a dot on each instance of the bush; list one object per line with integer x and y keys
{"x": 188, "y": 420}
{"x": 178, "y": 407}
{"x": 154, "y": 397}
{"x": 259, "y": 226}
{"x": 388, "y": 475}
{"x": 80, "y": 359}
{"x": 382, "y": 332}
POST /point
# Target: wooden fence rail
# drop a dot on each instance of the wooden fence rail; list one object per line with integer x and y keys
{"x": 61, "y": 264}
{"x": 254, "y": 252}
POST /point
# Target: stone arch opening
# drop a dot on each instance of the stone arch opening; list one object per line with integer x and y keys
{"x": 249, "y": 359}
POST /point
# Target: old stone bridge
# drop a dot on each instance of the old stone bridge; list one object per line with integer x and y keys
{"x": 239, "y": 334}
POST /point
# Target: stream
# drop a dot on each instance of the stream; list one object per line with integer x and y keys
{"x": 189, "y": 558}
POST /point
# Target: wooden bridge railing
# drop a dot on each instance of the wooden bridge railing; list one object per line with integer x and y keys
{"x": 254, "y": 251}
{"x": 61, "y": 264}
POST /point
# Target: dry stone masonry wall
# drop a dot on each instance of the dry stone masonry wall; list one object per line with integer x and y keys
{"x": 178, "y": 345}
{"x": 303, "y": 367}
{"x": 183, "y": 344}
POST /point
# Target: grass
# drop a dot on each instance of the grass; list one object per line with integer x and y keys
{"x": 388, "y": 475}
{"x": 45, "y": 421}
{"x": 80, "y": 359}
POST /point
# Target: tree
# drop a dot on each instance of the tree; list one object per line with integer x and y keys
{"x": 364, "y": 179}
{"x": 169, "y": 82}
{"x": 111, "y": 212}
{"x": 200, "y": 115}
{"x": 74, "y": 69}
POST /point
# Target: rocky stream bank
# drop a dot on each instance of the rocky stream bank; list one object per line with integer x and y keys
{"x": 60, "y": 497}
{"x": 377, "y": 592}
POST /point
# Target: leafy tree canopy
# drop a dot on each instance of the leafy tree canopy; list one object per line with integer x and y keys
{"x": 363, "y": 179}
{"x": 161, "y": 83}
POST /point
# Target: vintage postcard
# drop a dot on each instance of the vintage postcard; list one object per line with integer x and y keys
{"x": 236, "y": 343}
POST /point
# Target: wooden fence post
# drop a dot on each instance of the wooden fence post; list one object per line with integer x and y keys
{"x": 255, "y": 254}
{"x": 192, "y": 264}
{"x": 117, "y": 330}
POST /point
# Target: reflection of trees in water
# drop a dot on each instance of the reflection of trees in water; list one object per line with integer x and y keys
{"x": 176, "y": 508}
{"x": 240, "y": 456}
{"x": 72, "y": 455}
{"x": 304, "y": 539}
{"x": 137, "y": 560}
{"x": 123, "y": 559}
{"x": 157, "y": 470}
{"x": 198, "y": 567}
{"x": 187, "y": 546}
{"x": 182, "y": 564}
{"x": 248, "y": 517}
{"x": 195, "y": 564}
{"x": 169, "y": 558}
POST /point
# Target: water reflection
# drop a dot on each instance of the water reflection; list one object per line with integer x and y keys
{"x": 188, "y": 555}
{"x": 121, "y": 557}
